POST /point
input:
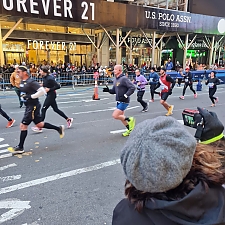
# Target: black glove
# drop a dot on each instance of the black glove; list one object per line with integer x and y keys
{"x": 170, "y": 91}
{"x": 26, "y": 97}
{"x": 106, "y": 89}
{"x": 212, "y": 126}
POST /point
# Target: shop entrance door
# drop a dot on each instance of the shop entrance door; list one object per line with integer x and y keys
{"x": 78, "y": 59}
{"x": 14, "y": 57}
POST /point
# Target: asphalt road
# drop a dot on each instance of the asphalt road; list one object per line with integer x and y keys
{"x": 77, "y": 180}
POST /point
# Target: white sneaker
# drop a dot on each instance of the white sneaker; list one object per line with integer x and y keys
{"x": 36, "y": 129}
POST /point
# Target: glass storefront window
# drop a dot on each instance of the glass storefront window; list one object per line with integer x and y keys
{"x": 46, "y": 28}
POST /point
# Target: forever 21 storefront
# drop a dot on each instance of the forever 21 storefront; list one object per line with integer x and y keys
{"x": 61, "y": 30}
{"x": 38, "y": 44}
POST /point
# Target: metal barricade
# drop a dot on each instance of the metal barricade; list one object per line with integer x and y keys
{"x": 5, "y": 81}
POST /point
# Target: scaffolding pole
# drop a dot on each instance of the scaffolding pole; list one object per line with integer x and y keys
{"x": 118, "y": 58}
{"x": 153, "y": 48}
{"x": 1, "y": 48}
{"x": 211, "y": 51}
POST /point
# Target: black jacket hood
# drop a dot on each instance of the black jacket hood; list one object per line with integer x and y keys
{"x": 200, "y": 206}
{"x": 205, "y": 206}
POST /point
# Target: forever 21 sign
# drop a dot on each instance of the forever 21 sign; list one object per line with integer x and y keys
{"x": 55, "y": 8}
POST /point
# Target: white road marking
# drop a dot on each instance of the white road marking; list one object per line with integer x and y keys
{"x": 17, "y": 112}
{"x": 16, "y": 207}
{"x": 5, "y": 156}
{"x": 58, "y": 176}
{"x": 3, "y": 151}
{"x": 3, "y": 146}
{"x": 2, "y": 139}
{"x": 117, "y": 131}
{"x": 7, "y": 166}
{"x": 8, "y": 178}
{"x": 104, "y": 110}
{"x": 87, "y": 100}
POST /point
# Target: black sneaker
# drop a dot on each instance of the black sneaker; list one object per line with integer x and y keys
{"x": 61, "y": 131}
{"x": 16, "y": 150}
{"x": 145, "y": 109}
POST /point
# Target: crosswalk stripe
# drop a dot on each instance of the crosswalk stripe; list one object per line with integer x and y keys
{"x": 3, "y": 151}
{"x": 3, "y": 146}
{"x": 5, "y": 156}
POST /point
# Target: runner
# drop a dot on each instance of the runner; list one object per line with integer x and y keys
{"x": 141, "y": 81}
{"x": 10, "y": 120}
{"x": 123, "y": 88}
{"x": 153, "y": 80}
{"x": 187, "y": 82}
{"x": 166, "y": 83}
{"x": 213, "y": 81}
{"x": 50, "y": 86}
{"x": 30, "y": 92}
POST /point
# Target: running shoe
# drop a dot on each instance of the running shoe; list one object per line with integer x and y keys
{"x": 36, "y": 129}
{"x": 170, "y": 111}
{"x": 195, "y": 95}
{"x": 69, "y": 122}
{"x": 10, "y": 123}
{"x": 145, "y": 109}
{"x": 126, "y": 133}
{"x": 131, "y": 123}
{"x": 213, "y": 105}
{"x": 16, "y": 150}
{"x": 152, "y": 100}
{"x": 217, "y": 99}
{"x": 181, "y": 97}
{"x": 61, "y": 131}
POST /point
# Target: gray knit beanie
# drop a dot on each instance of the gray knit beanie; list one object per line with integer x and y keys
{"x": 158, "y": 155}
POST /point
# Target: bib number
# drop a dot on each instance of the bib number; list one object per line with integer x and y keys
{"x": 162, "y": 86}
{"x": 186, "y": 80}
{"x": 21, "y": 98}
{"x": 211, "y": 85}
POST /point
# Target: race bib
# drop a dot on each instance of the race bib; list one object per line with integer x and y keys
{"x": 21, "y": 98}
{"x": 211, "y": 85}
{"x": 162, "y": 86}
{"x": 151, "y": 79}
{"x": 186, "y": 80}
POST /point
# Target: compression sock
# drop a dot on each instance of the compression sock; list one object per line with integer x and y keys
{"x": 50, "y": 126}
{"x": 23, "y": 135}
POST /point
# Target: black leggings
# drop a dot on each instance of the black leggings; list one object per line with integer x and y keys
{"x": 3, "y": 113}
{"x": 191, "y": 88}
{"x": 152, "y": 90}
{"x": 212, "y": 92}
{"x": 140, "y": 95}
{"x": 51, "y": 101}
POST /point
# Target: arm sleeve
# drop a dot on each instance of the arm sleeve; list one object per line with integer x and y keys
{"x": 217, "y": 81}
{"x": 39, "y": 93}
{"x": 130, "y": 86}
{"x": 171, "y": 80}
{"x": 144, "y": 81}
{"x": 12, "y": 80}
{"x": 54, "y": 84}
{"x": 112, "y": 91}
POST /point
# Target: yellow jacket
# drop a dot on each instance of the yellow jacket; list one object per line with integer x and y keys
{"x": 15, "y": 80}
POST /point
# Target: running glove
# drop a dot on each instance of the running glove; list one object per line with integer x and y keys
{"x": 106, "y": 89}
{"x": 212, "y": 126}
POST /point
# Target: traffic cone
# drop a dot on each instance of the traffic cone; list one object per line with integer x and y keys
{"x": 95, "y": 95}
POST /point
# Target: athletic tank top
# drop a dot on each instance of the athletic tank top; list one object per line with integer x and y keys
{"x": 165, "y": 85}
